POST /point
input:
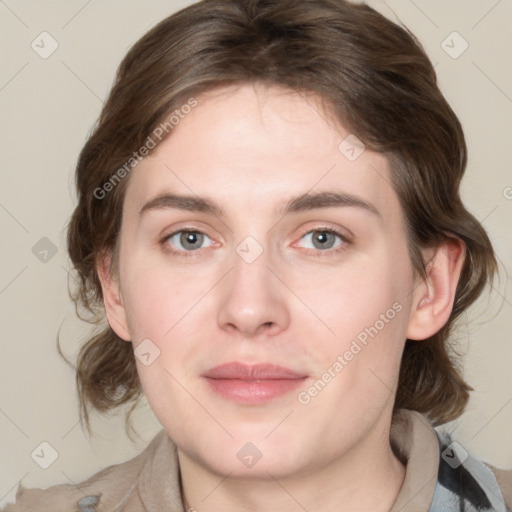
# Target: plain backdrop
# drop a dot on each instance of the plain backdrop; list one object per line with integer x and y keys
{"x": 49, "y": 104}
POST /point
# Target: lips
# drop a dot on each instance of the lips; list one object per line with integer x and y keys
{"x": 243, "y": 371}
{"x": 252, "y": 384}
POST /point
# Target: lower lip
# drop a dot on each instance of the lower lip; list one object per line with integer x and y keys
{"x": 253, "y": 391}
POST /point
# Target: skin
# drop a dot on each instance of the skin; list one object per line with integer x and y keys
{"x": 298, "y": 304}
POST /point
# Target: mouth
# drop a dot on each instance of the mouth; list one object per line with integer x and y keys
{"x": 252, "y": 384}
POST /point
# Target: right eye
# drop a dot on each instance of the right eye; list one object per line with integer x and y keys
{"x": 190, "y": 239}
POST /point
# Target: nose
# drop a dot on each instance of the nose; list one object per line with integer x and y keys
{"x": 253, "y": 299}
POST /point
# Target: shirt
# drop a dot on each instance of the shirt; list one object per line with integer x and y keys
{"x": 441, "y": 476}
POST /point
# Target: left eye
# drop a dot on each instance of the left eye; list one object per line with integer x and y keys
{"x": 324, "y": 238}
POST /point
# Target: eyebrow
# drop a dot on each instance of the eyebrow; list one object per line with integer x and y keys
{"x": 296, "y": 204}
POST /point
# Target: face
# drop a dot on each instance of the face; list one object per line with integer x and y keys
{"x": 279, "y": 318}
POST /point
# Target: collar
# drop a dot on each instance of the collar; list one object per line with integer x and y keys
{"x": 412, "y": 437}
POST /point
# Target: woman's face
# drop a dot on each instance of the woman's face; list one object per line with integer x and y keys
{"x": 317, "y": 290}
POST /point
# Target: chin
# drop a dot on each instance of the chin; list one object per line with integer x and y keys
{"x": 248, "y": 458}
{"x": 267, "y": 467}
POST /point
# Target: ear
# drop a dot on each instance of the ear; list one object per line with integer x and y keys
{"x": 116, "y": 313}
{"x": 433, "y": 299}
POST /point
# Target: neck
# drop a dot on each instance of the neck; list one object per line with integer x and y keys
{"x": 367, "y": 478}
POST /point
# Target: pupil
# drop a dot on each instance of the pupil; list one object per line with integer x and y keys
{"x": 322, "y": 238}
{"x": 191, "y": 238}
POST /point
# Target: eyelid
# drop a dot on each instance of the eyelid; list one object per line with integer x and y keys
{"x": 345, "y": 234}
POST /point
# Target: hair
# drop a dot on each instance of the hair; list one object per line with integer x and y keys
{"x": 378, "y": 82}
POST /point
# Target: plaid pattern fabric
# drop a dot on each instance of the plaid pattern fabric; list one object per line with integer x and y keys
{"x": 464, "y": 483}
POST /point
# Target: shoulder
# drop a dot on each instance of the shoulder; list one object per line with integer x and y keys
{"x": 465, "y": 479}
{"x": 109, "y": 488}
{"x": 463, "y": 482}
{"x": 504, "y": 479}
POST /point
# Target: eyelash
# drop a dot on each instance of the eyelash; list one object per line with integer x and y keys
{"x": 318, "y": 253}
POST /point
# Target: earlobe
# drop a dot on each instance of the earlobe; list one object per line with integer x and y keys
{"x": 114, "y": 308}
{"x": 433, "y": 300}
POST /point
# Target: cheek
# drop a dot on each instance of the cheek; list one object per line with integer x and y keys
{"x": 364, "y": 310}
{"x": 357, "y": 295}
{"x": 155, "y": 299}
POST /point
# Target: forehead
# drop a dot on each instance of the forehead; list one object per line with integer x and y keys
{"x": 252, "y": 147}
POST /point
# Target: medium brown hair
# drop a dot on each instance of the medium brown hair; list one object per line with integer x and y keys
{"x": 376, "y": 79}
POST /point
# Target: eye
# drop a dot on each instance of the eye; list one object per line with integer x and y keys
{"x": 323, "y": 239}
{"x": 189, "y": 239}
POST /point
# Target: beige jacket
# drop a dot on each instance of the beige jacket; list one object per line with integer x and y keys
{"x": 149, "y": 482}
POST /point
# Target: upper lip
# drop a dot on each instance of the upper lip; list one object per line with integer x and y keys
{"x": 243, "y": 371}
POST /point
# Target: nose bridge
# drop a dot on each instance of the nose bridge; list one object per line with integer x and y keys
{"x": 252, "y": 296}
{"x": 250, "y": 266}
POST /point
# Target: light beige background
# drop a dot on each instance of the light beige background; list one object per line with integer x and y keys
{"x": 49, "y": 107}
